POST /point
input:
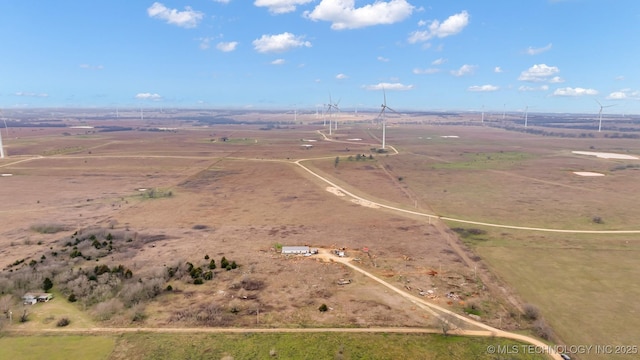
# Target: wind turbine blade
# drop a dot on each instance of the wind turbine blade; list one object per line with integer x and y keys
{"x": 384, "y": 95}
{"x": 381, "y": 112}
{"x": 392, "y": 110}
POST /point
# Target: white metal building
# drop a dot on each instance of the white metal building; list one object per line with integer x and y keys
{"x": 295, "y": 250}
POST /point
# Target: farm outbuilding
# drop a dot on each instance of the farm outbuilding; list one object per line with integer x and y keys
{"x": 296, "y": 250}
{"x": 29, "y": 299}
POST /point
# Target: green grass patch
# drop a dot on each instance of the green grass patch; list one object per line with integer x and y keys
{"x": 61, "y": 151}
{"x": 483, "y": 161}
{"x": 306, "y": 346}
{"x": 156, "y": 193}
{"x": 56, "y": 347}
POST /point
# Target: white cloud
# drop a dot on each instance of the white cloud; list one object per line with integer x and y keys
{"x": 624, "y": 94}
{"x": 341, "y": 76}
{"x": 222, "y": 1}
{"x": 343, "y": 14}
{"x": 91, "y": 67}
{"x": 539, "y": 73}
{"x": 483, "y": 88}
{"x": 451, "y": 26}
{"x": 278, "y": 62}
{"x": 619, "y": 78}
{"x": 388, "y": 86}
{"x": 440, "y": 61}
{"x": 497, "y": 70}
{"x": 556, "y": 80}
{"x": 227, "y": 46}
{"x": 569, "y": 91}
{"x": 31, "y": 94}
{"x": 531, "y": 88}
{"x": 148, "y": 96}
{"x": 279, "y": 43}
{"x": 536, "y": 51}
{"x": 428, "y": 71}
{"x": 187, "y": 18}
{"x": 464, "y": 70}
{"x": 280, "y": 6}
{"x": 383, "y": 59}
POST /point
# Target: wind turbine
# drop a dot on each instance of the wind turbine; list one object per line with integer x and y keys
{"x": 600, "y": 114}
{"x": 331, "y": 106}
{"x": 526, "y": 115}
{"x": 6, "y": 128}
{"x": 482, "y": 121}
{"x": 1, "y": 148}
{"x": 1, "y": 145}
{"x": 335, "y": 106}
{"x": 384, "y": 122}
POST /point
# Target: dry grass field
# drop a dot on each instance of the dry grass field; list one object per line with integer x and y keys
{"x": 233, "y": 190}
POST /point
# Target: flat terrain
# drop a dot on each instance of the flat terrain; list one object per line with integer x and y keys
{"x": 329, "y": 345}
{"x": 234, "y": 190}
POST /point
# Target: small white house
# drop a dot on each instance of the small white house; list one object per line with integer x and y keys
{"x": 297, "y": 250}
{"x": 29, "y": 299}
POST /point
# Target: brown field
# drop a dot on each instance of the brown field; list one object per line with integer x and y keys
{"x": 235, "y": 192}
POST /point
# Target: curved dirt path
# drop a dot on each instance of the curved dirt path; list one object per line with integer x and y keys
{"x": 487, "y": 330}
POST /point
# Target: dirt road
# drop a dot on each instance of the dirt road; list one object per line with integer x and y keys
{"x": 440, "y": 311}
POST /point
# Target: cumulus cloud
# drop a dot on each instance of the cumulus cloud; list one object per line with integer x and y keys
{"x": 451, "y": 26}
{"x": 464, "y": 70}
{"x": 222, "y": 1}
{"x": 343, "y": 14}
{"x": 227, "y": 46}
{"x": 187, "y": 18}
{"x": 280, "y": 6}
{"x": 148, "y": 96}
{"x": 497, "y": 69}
{"x": 31, "y": 94}
{"x": 278, "y": 62}
{"x": 540, "y": 73}
{"x": 531, "y": 88}
{"x": 483, "y": 88}
{"x": 383, "y": 59}
{"x": 569, "y": 91}
{"x": 536, "y": 51}
{"x": 279, "y": 43}
{"x": 388, "y": 86}
{"x": 427, "y": 71}
{"x": 624, "y": 94}
{"x": 341, "y": 76}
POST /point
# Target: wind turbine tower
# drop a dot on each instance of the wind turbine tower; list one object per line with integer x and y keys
{"x": 526, "y": 113}
{"x": 600, "y": 114}
{"x": 482, "y": 121}
{"x": 384, "y": 121}
{"x": 1, "y": 147}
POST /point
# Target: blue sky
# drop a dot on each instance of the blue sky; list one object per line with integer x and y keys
{"x": 549, "y": 55}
